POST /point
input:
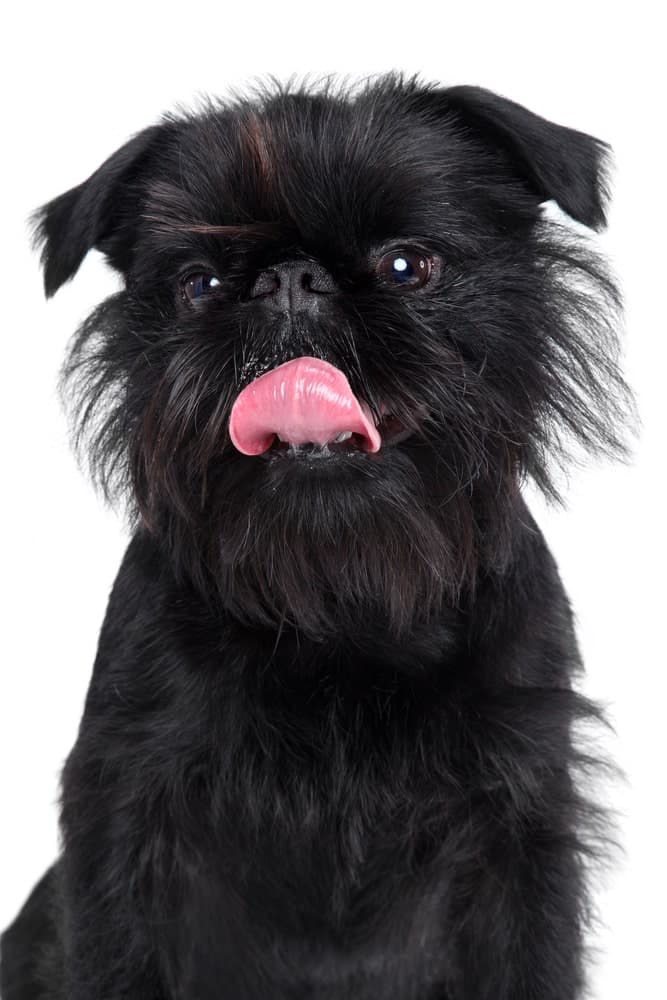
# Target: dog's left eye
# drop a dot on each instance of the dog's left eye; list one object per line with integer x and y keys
{"x": 196, "y": 285}
{"x": 405, "y": 267}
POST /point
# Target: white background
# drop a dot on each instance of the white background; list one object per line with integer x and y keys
{"x": 78, "y": 81}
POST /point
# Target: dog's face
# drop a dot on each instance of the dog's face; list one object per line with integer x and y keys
{"x": 347, "y": 331}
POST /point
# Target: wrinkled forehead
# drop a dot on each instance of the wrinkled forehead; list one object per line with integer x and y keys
{"x": 315, "y": 167}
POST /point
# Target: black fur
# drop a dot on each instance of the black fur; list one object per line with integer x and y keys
{"x": 329, "y": 747}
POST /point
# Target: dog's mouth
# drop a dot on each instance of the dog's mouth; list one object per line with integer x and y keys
{"x": 306, "y": 406}
{"x": 391, "y": 430}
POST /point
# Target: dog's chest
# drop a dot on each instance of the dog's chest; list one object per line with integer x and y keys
{"x": 319, "y": 830}
{"x": 328, "y": 890}
{"x": 301, "y": 920}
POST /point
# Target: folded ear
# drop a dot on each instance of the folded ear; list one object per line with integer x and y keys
{"x": 101, "y": 212}
{"x": 556, "y": 162}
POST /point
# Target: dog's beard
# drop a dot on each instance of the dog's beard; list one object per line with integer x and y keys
{"x": 331, "y": 549}
{"x": 328, "y": 545}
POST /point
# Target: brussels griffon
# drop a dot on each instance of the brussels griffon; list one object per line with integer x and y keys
{"x": 329, "y": 748}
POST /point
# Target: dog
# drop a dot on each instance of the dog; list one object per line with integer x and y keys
{"x": 330, "y": 745}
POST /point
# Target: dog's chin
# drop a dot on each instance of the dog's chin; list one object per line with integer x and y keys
{"x": 329, "y": 544}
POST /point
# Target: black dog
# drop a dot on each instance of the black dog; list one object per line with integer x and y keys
{"x": 328, "y": 749}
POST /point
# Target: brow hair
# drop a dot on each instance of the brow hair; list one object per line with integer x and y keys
{"x": 209, "y": 229}
{"x": 238, "y": 229}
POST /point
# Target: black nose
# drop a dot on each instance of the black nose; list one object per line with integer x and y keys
{"x": 294, "y": 286}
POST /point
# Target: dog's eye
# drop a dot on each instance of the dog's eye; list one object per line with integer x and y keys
{"x": 196, "y": 285}
{"x": 405, "y": 267}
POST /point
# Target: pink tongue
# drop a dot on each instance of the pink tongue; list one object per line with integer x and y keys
{"x": 304, "y": 400}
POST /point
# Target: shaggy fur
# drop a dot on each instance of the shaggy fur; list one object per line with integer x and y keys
{"x": 328, "y": 749}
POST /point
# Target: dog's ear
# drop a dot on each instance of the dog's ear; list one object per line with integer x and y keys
{"x": 101, "y": 212}
{"x": 556, "y": 162}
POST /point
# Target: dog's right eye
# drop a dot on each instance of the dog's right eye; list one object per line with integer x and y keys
{"x": 194, "y": 286}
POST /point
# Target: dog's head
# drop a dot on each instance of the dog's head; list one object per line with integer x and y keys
{"x": 347, "y": 330}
